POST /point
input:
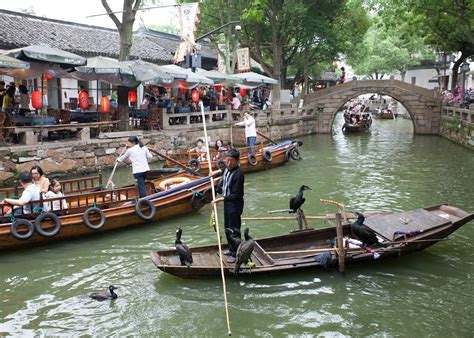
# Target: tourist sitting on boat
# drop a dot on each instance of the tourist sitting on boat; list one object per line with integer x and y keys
{"x": 39, "y": 178}
{"x": 139, "y": 156}
{"x": 30, "y": 193}
{"x": 347, "y": 116}
{"x": 221, "y": 150}
{"x": 55, "y": 191}
{"x": 200, "y": 149}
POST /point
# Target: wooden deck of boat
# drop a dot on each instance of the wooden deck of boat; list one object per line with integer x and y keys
{"x": 414, "y": 220}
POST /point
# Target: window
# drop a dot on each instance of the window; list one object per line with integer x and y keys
{"x": 413, "y": 80}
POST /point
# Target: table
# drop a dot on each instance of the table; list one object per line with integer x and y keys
{"x": 33, "y": 120}
{"x": 84, "y": 116}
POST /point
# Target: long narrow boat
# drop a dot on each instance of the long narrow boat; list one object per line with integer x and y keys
{"x": 106, "y": 210}
{"x": 385, "y": 115}
{"x": 356, "y": 128}
{"x": 265, "y": 157}
{"x": 400, "y": 233}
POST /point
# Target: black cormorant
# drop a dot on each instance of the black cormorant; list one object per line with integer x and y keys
{"x": 297, "y": 201}
{"x": 362, "y": 231}
{"x": 234, "y": 236}
{"x": 244, "y": 251}
{"x": 185, "y": 255}
{"x": 105, "y": 295}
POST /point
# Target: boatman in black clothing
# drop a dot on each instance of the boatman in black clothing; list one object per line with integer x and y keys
{"x": 232, "y": 190}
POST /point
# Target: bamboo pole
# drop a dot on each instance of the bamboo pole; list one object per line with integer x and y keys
{"x": 175, "y": 162}
{"x": 279, "y": 218}
{"x": 266, "y": 137}
{"x": 216, "y": 219}
{"x": 109, "y": 181}
{"x": 340, "y": 243}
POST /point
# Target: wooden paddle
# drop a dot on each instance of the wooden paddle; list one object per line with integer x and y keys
{"x": 175, "y": 162}
{"x": 266, "y": 137}
{"x": 109, "y": 181}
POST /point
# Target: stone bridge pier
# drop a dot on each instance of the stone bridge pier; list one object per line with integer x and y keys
{"x": 423, "y": 105}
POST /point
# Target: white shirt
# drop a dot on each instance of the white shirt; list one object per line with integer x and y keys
{"x": 31, "y": 193}
{"x": 250, "y": 129}
{"x": 56, "y": 205}
{"x": 139, "y": 157}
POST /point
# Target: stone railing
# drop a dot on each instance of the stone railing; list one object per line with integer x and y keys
{"x": 457, "y": 113}
{"x": 457, "y": 124}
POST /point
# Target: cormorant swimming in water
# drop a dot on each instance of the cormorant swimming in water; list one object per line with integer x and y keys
{"x": 244, "y": 251}
{"x": 297, "y": 201}
{"x": 185, "y": 255}
{"x": 365, "y": 234}
{"x": 105, "y": 295}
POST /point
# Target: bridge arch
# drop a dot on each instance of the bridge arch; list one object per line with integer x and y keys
{"x": 423, "y": 105}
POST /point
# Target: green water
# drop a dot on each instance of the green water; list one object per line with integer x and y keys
{"x": 44, "y": 290}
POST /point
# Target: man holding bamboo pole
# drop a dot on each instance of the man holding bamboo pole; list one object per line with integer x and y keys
{"x": 232, "y": 190}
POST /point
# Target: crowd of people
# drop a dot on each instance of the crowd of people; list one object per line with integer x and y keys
{"x": 456, "y": 96}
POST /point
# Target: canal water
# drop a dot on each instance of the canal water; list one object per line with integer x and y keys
{"x": 44, "y": 290}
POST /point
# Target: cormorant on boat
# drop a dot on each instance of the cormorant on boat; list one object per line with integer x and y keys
{"x": 362, "y": 231}
{"x": 234, "y": 236}
{"x": 244, "y": 251}
{"x": 185, "y": 255}
{"x": 297, "y": 201}
{"x": 105, "y": 295}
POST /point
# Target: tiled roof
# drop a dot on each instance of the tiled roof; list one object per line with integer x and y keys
{"x": 20, "y": 30}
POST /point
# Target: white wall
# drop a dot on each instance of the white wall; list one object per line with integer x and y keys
{"x": 427, "y": 78}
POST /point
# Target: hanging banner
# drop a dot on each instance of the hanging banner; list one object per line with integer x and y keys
{"x": 243, "y": 59}
{"x": 221, "y": 59}
{"x": 188, "y": 17}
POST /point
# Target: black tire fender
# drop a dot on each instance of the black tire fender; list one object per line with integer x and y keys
{"x": 287, "y": 155}
{"x": 267, "y": 155}
{"x": 47, "y": 216}
{"x": 86, "y": 218}
{"x": 25, "y": 222}
{"x": 207, "y": 196}
{"x": 295, "y": 154}
{"x": 139, "y": 211}
{"x": 194, "y": 165}
{"x": 252, "y": 160}
{"x": 197, "y": 201}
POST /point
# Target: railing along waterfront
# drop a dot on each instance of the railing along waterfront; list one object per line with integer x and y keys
{"x": 459, "y": 114}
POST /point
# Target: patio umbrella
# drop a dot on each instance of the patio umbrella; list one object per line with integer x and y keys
{"x": 254, "y": 78}
{"x": 146, "y": 71}
{"x": 191, "y": 77}
{"x": 7, "y": 62}
{"x": 218, "y": 77}
{"x": 40, "y": 53}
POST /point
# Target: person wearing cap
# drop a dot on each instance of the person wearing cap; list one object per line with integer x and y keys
{"x": 232, "y": 190}
{"x": 139, "y": 156}
{"x": 250, "y": 131}
{"x": 31, "y": 192}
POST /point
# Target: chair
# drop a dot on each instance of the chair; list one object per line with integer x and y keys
{"x": 153, "y": 121}
{"x": 56, "y": 113}
{"x": 105, "y": 117}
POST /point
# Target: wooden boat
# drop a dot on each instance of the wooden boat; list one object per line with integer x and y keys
{"x": 385, "y": 115}
{"x": 356, "y": 128}
{"x": 265, "y": 157}
{"x": 400, "y": 233}
{"x": 97, "y": 212}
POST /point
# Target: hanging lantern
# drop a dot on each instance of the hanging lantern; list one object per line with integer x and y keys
{"x": 105, "y": 104}
{"x": 195, "y": 95}
{"x": 243, "y": 92}
{"x": 48, "y": 76}
{"x": 83, "y": 100}
{"x": 183, "y": 90}
{"x": 36, "y": 99}
{"x": 167, "y": 88}
{"x": 132, "y": 96}
{"x": 218, "y": 88}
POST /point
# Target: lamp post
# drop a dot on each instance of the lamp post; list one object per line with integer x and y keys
{"x": 464, "y": 68}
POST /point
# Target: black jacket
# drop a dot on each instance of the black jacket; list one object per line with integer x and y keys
{"x": 236, "y": 187}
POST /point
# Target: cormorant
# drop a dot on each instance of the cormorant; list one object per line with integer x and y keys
{"x": 244, "y": 251}
{"x": 234, "y": 236}
{"x": 185, "y": 255}
{"x": 297, "y": 201}
{"x": 105, "y": 295}
{"x": 362, "y": 231}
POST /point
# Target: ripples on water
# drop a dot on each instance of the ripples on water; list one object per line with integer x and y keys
{"x": 45, "y": 290}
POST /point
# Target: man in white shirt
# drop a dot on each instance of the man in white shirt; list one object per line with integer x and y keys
{"x": 30, "y": 193}
{"x": 250, "y": 131}
{"x": 139, "y": 156}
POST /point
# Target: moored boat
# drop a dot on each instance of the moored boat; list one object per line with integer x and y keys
{"x": 398, "y": 233}
{"x": 101, "y": 211}
{"x": 265, "y": 157}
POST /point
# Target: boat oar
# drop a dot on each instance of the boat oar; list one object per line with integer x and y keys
{"x": 266, "y": 137}
{"x": 174, "y": 161}
{"x": 214, "y": 205}
{"x": 110, "y": 183}
{"x": 283, "y": 218}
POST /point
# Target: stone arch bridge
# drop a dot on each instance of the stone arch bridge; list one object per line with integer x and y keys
{"x": 423, "y": 105}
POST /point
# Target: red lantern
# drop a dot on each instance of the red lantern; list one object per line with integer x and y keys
{"x": 218, "y": 88}
{"x": 243, "y": 92}
{"x": 132, "y": 96}
{"x": 83, "y": 100}
{"x": 48, "y": 76}
{"x": 36, "y": 99}
{"x": 183, "y": 90}
{"x": 195, "y": 95}
{"x": 105, "y": 104}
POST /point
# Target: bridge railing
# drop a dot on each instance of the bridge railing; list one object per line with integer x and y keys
{"x": 461, "y": 114}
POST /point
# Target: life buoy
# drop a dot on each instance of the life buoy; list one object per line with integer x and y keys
{"x": 139, "y": 211}
{"x": 295, "y": 154}
{"x": 252, "y": 159}
{"x": 24, "y": 222}
{"x": 87, "y": 221}
{"x": 47, "y": 216}
{"x": 221, "y": 165}
{"x": 173, "y": 182}
{"x": 267, "y": 155}
{"x": 194, "y": 165}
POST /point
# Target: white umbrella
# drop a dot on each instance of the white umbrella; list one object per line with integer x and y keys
{"x": 12, "y": 63}
{"x": 46, "y": 54}
{"x": 252, "y": 78}
{"x": 146, "y": 71}
{"x": 191, "y": 77}
{"x": 218, "y": 77}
